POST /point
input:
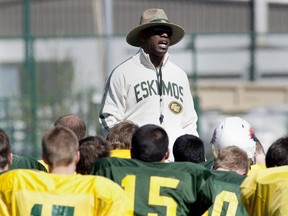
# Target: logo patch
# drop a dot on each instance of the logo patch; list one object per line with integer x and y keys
{"x": 175, "y": 107}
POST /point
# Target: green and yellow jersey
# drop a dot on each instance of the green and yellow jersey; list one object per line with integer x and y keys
{"x": 225, "y": 186}
{"x": 178, "y": 188}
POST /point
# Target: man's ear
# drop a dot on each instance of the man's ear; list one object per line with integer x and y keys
{"x": 77, "y": 157}
{"x": 167, "y": 154}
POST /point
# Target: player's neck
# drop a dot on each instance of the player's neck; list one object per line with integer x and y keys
{"x": 222, "y": 169}
{"x": 67, "y": 170}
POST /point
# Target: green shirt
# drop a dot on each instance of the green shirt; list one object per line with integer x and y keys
{"x": 208, "y": 164}
{"x": 178, "y": 188}
{"x": 226, "y": 194}
{"x": 21, "y": 162}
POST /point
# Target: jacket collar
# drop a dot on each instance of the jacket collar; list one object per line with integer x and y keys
{"x": 145, "y": 59}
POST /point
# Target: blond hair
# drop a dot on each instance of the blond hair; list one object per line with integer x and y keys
{"x": 232, "y": 158}
{"x": 59, "y": 146}
{"x": 120, "y": 135}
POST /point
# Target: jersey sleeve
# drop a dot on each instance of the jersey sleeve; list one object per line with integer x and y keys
{"x": 265, "y": 192}
{"x": 4, "y": 204}
{"x": 204, "y": 194}
{"x": 248, "y": 189}
{"x": 112, "y": 197}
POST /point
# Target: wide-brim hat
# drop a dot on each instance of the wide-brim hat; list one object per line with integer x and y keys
{"x": 154, "y": 17}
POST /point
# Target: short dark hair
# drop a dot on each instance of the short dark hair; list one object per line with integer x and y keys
{"x": 91, "y": 148}
{"x": 189, "y": 148}
{"x": 149, "y": 143}
{"x": 5, "y": 148}
{"x": 277, "y": 154}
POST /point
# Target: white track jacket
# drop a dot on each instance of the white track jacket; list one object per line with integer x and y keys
{"x": 134, "y": 91}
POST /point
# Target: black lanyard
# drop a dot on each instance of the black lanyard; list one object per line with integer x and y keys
{"x": 159, "y": 82}
{"x": 160, "y": 91}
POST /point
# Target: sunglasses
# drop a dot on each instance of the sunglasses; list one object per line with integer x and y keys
{"x": 159, "y": 30}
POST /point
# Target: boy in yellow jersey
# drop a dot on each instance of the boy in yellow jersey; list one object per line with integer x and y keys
{"x": 60, "y": 192}
{"x": 265, "y": 192}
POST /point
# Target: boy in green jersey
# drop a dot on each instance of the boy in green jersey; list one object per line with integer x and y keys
{"x": 153, "y": 186}
{"x": 189, "y": 147}
{"x": 229, "y": 170}
{"x": 8, "y": 161}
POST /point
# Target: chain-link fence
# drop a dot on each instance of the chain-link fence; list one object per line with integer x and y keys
{"x": 56, "y": 54}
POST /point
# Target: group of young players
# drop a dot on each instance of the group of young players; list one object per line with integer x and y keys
{"x": 146, "y": 184}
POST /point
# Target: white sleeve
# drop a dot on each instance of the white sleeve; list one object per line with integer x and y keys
{"x": 189, "y": 122}
{"x": 113, "y": 102}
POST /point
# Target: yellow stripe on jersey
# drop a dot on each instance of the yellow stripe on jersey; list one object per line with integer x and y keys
{"x": 121, "y": 153}
{"x": 256, "y": 167}
{"x": 29, "y": 192}
{"x": 44, "y": 164}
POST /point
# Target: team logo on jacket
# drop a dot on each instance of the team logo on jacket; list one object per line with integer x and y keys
{"x": 175, "y": 107}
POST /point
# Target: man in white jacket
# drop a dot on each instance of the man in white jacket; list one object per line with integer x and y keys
{"x": 148, "y": 88}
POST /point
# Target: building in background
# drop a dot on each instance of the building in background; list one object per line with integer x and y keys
{"x": 55, "y": 55}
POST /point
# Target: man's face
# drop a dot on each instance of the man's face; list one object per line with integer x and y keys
{"x": 156, "y": 40}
